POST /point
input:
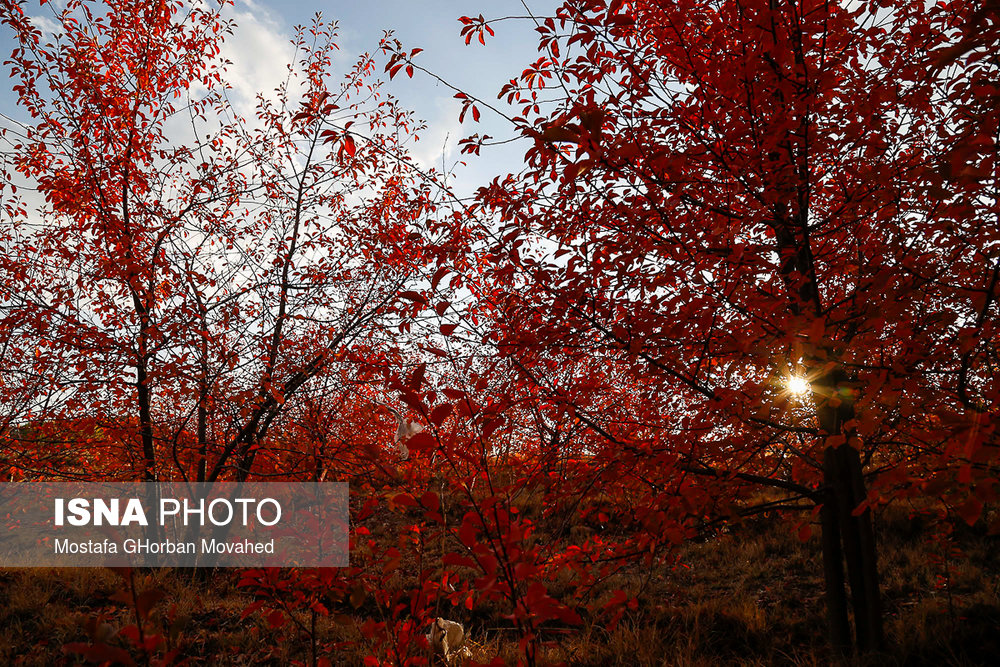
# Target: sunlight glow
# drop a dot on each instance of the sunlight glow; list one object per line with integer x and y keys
{"x": 798, "y": 385}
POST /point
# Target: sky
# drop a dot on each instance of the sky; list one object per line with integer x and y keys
{"x": 259, "y": 49}
{"x": 433, "y": 26}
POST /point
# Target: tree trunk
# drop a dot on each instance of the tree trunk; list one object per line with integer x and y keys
{"x": 833, "y": 575}
{"x": 146, "y": 434}
{"x": 145, "y": 415}
{"x": 847, "y": 533}
{"x": 859, "y": 550}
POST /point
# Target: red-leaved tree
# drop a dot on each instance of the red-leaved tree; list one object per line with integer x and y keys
{"x": 189, "y": 271}
{"x": 774, "y": 224}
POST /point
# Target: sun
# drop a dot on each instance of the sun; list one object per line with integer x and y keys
{"x": 798, "y": 385}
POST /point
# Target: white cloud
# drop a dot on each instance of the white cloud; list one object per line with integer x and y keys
{"x": 259, "y": 52}
{"x": 49, "y": 27}
{"x": 439, "y": 142}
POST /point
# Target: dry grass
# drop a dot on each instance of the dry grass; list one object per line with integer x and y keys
{"x": 752, "y": 596}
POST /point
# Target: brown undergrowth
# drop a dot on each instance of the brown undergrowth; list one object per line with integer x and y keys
{"x": 750, "y": 595}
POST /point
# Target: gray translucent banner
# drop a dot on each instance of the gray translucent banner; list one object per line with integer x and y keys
{"x": 173, "y": 524}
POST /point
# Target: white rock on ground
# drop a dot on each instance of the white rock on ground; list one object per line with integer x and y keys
{"x": 447, "y": 639}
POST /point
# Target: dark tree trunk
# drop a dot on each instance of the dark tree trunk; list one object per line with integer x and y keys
{"x": 847, "y": 534}
{"x": 146, "y": 429}
{"x": 833, "y": 574}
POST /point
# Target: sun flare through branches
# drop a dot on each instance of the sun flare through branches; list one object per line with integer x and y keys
{"x": 797, "y": 385}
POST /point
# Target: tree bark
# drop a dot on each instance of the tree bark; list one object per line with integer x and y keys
{"x": 847, "y": 533}
{"x": 833, "y": 575}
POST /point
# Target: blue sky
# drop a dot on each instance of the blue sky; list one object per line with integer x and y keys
{"x": 260, "y": 48}
{"x": 433, "y": 26}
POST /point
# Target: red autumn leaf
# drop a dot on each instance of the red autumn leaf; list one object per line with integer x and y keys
{"x": 430, "y": 501}
{"x": 276, "y": 619}
{"x": 441, "y": 413}
{"x": 971, "y": 510}
{"x": 468, "y": 531}
{"x": 349, "y": 146}
{"x": 421, "y": 442}
{"x": 413, "y": 296}
{"x": 404, "y": 500}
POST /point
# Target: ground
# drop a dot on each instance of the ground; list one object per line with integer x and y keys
{"x": 751, "y": 595}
